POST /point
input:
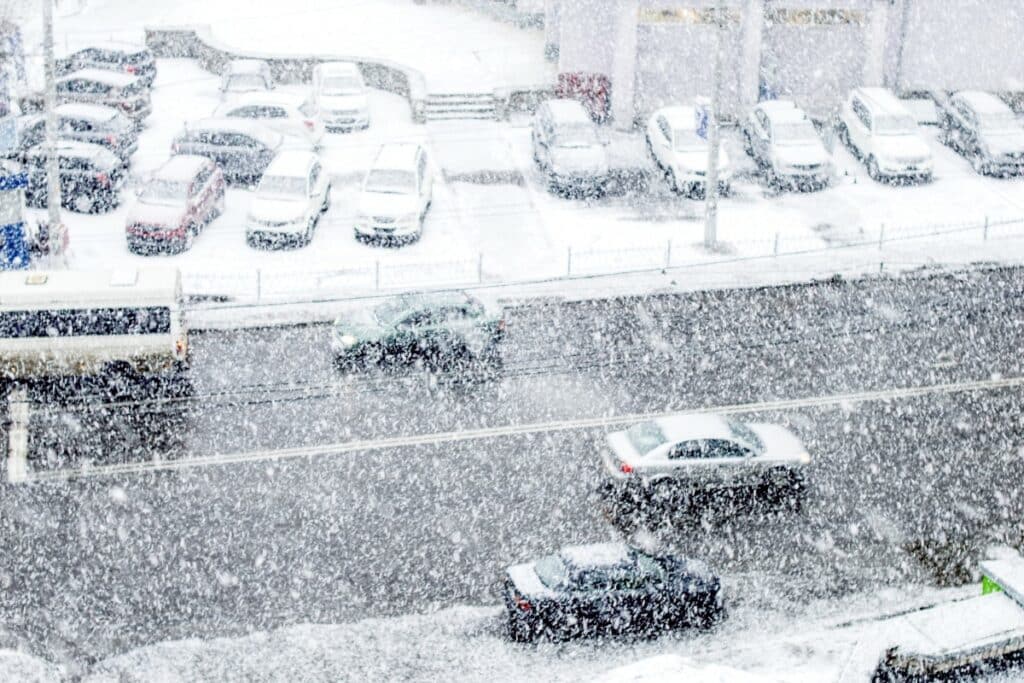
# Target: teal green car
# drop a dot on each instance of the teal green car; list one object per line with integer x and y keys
{"x": 439, "y": 330}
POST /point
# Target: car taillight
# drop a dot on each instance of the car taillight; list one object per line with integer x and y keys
{"x": 626, "y": 468}
{"x": 309, "y": 124}
{"x": 131, "y": 69}
{"x": 501, "y": 325}
{"x": 180, "y": 347}
{"x": 103, "y": 179}
{"x": 175, "y": 148}
{"x": 111, "y": 140}
{"x": 522, "y": 603}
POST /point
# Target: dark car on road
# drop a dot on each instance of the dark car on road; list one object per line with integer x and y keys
{"x": 176, "y": 203}
{"x": 983, "y": 128}
{"x": 608, "y": 588}
{"x": 95, "y": 123}
{"x": 128, "y": 58}
{"x": 441, "y": 329}
{"x": 91, "y": 177}
{"x": 124, "y": 92}
{"x": 242, "y": 148}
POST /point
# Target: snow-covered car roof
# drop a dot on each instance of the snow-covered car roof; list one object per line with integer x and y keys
{"x": 111, "y": 78}
{"x": 596, "y": 555}
{"x": 97, "y": 112}
{"x": 181, "y": 167}
{"x": 694, "y": 426}
{"x": 399, "y": 155}
{"x": 983, "y": 102}
{"x": 261, "y": 98}
{"x": 247, "y": 66}
{"x": 881, "y": 98}
{"x": 679, "y": 116}
{"x": 339, "y": 69}
{"x": 74, "y": 148}
{"x": 250, "y": 127}
{"x": 782, "y": 111}
{"x": 292, "y": 163}
{"x": 568, "y": 111}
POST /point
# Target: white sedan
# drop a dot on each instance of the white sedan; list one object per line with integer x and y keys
{"x": 706, "y": 452}
{"x": 292, "y": 195}
{"x": 293, "y": 117}
{"x": 676, "y": 141}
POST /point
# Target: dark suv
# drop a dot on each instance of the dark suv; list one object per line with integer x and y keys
{"x": 93, "y": 123}
{"x": 124, "y": 92}
{"x": 127, "y": 58}
{"x": 242, "y": 148}
{"x": 91, "y": 177}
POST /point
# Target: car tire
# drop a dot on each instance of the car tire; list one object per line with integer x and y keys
{"x": 517, "y": 630}
{"x": 218, "y": 207}
{"x": 327, "y": 201}
{"x": 844, "y": 135}
{"x": 670, "y": 178}
{"x": 188, "y": 240}
{"x": 978, "y": 164}
{"x": 873, "y": 171}
{"x": 307, "y": 238}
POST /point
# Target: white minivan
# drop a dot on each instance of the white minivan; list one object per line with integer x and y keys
{"x": 396, "y": 195}
{"x": 884, "y": 135}
{"x": 678, "y": 147}
{"x": 341, "y": 96}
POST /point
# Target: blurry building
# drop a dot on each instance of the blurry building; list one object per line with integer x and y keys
{"x": 640, "y": 54}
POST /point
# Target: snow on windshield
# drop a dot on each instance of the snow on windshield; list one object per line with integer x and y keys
{"x": 338, "y": 85}
{"x": 391, "y": 181}
{"x": 286, "y": 186}
{"x": 172, "y": 192}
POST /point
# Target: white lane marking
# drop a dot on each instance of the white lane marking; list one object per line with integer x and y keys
{"x": 17, "y": 450}
{"x": 517, "y": 430}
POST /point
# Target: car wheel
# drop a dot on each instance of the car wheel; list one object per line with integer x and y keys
{"x": 650, "y": 150}
{"x": 670, "y": 178}
{"x": 518, "y": 630}
{"x": 873, "y": 171}
{"x": 978, "y": 164}
{"x": 218, "y": 207}
{"x": 844, "y": 135}
{"x": 310, "y": 227}
{"x": 327, "y": 201}
{"x": 188, "y": 239}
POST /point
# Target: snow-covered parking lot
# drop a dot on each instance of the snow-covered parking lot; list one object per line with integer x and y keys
{"x": 493, "y": 219}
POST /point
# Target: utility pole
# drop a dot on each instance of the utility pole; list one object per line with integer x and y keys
{"x": 55, "y": 229}
{"x": 714, "y": 135}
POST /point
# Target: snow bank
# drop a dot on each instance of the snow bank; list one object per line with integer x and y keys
{"x": 18, "y": 666}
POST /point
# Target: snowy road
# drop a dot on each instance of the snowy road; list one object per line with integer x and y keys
{"x": 221, "y": 549}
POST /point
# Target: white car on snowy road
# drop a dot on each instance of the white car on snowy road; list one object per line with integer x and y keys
{"x": 688, "y": 453}
{"x": 292, "y": 116}
{"x": 882, "y": 133}
{"x": 292, "y": 195}
{"x": 782, "y": 140}
{"x": 675, "y": 143}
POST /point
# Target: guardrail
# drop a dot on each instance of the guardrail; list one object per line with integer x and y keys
{"x": 265, "y": 286}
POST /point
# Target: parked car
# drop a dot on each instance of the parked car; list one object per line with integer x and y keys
{"x": 674, "y": 459}
{"x": 589, "y": 590}
{"x": 680, "y": 150}
{"x": 246, "y": 75}
{"x": 882, "y": 133}
{"x": 134, "y": 60}
{"x": 175, "y": 204}
{"x": 782, "y": 140}
{"x": 982, "y": 128}
{"x": 293, "y": 117}
{"x": 292, "y": 195}
{"x": 567, "y": 148}
{"x": 93, "y": 123}
{"x": 396, "y": 195}
{"x": 341, "y": 96}
{"x": 243, "y": 149}
{"x": 91, "y": 177}
{"x": 440, "y": 329}
{"x": 124, "y": 92}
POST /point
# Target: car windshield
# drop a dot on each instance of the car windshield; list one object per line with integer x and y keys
{"x": 246, "y": 82}
{"x": 795, "y": 133}
{"x": 575, "y": 135}
{"x": 645, "y": 437}
{"x": 341, "y": 85}
{"x": 895, "y": 125}
{"x": 552, "y": 572}
{"x": 391, "y": 181}
{"x": 390, "y": 311}
{"x": 170, "y": 192}
{"x": 1003, "y": 122}
{"x": 288, "y": 186}
{"x": 687, "y": 139}
{"x": 745, "y": 436}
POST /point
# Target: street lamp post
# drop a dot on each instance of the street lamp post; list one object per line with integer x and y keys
{"x": 55, "y": 229}
{"x": 714, "y": 136}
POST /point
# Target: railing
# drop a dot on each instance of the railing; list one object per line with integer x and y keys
{"x": 381, "y": 277}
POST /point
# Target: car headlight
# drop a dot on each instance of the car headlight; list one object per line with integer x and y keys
{"x": 347, "y": 340}
{"x": 804, "y": 458}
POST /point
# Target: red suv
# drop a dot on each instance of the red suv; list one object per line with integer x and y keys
{"x": 177, "y": 202}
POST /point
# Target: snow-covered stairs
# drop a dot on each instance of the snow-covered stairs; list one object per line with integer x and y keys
{"x": 445, "y": 106}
